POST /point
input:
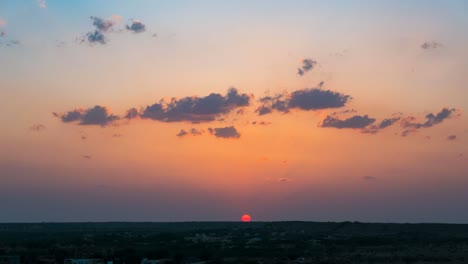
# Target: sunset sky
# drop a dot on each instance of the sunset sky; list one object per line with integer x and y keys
{"x": 207, "y": 110}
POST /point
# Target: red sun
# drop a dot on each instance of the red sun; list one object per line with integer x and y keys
{"x": 246, "y": 218}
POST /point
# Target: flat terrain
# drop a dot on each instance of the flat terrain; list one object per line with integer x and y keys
{"x": 233, "y": 242}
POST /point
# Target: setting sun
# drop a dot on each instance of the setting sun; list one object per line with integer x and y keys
{"x": 246, "y": 218}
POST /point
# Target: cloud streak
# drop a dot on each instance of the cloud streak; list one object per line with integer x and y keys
{"x": 196, "y": 109}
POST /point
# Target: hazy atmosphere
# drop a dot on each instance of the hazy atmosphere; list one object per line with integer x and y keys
{"x": 207, "y": 110}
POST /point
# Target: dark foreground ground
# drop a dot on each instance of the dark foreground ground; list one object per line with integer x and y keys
{"x": 228, "y": 242}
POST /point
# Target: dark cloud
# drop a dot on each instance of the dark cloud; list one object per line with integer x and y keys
{"x": 261, "y": 123}
{"x": 452, "y": 137}
{"x": 97, "y": 115}
{"x": 83, "y": 137}
{"x": 196, "y": 109}
{"x": 193, "y": 132}
{"x": 86, "y": 157}
{"x": 136, "y": 26}
{"x": 117, "y": 135}
{"x": 225, "y": 132}
{"x": 131, "y": 113}
{"x": 410, "y": 124}
{"x": 182, "y": 133}
{"x": 382, "y": 125}
{"x": 355, "y": 122}
{"x": 102, "y": 24}
{"x": 431, "y": 45}
{"x": 96, "y": 37}
{"x": 101, "y": 27}
{"x": 307, "y": 65}
{"x": 37, "y": 127}
{"x": 306, "y": 99}
{"x": 3, "y": 33}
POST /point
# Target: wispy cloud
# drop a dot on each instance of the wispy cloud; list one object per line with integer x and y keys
{"x": 42, "y": 4}
{"x": 307, "y": 65}
{"x": 428, "y": 45}
{"x": 37, "y": 127}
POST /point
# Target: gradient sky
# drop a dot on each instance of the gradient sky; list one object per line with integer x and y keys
{"x": 372, "y": 129}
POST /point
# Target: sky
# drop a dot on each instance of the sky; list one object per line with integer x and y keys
{"x": 207, "y": 110}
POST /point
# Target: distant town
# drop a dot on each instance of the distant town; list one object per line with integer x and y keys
{"x": 229, "y": 242}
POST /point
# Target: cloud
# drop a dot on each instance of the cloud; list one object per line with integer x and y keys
{"x": 97, "y": 115}
{"x": 307, "y": 65}
{"x": 96, "y": 37}
{"x": 306, "y": 99}
{"x": 225, "y": 132}
{"x": 102, "y": 24}
{"x": 3, "y": 33}
{"x": 193, "y": 132}
{"x": 452, "y": 137}
{"x": 410, "y": 124}
{"x": 37, "y": 127}
{"x": 117, "y": 135}
{"x": 2, "y": 22}
{"x": 382, "y": 125}
{"x": 136, "y": 26}
{"x": 283, "y": 180}
{"x": 86, "y": 157}
{"x": 101, "y": 27}
{"x": 369, "y": 178}
{"x": 131, "y": 113}
{"x": 83, "y": 137}
{"x": 431, "y": 45}
{"x": 355, "y": 122}
{"x": 42, "y": 4}
{"x": 261, "y": 123}
{"x": 196, "y": 109}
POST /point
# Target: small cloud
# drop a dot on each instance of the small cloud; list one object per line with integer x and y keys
{"x": 182, "y": 133}
{"x": 3, "y": 33}
{"x": 355, "y": 122}
{"x": 96, "y": 37}
{"x": 306, "y": 99}
{"x": 225, "y": 132}
{"x": 284, "y": 180}
{"x": 193, "y": 132}
{"x": 102, "y": 26}
{"x": 369, "y": 178}
{"x": 261, "y": 123}
{"x": 136, "y": 26}
{"x": 154, "y": 35}
{"x": 83, "y": 137}
{"x": 42, "y": 4}
{"x": 428, "y": 45}
{"x": 307, "y": 65}
{"x": 117, "y": 135}
{"x": 452, "y": 137}
{"x": 86, "y": 157}
{"x": 97, "y": 115}
{"x": 37, "y": 127}
{"x": 131, "y": 113}
{"x": 2, "y": 22}
{"x": 411, "y": 125}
